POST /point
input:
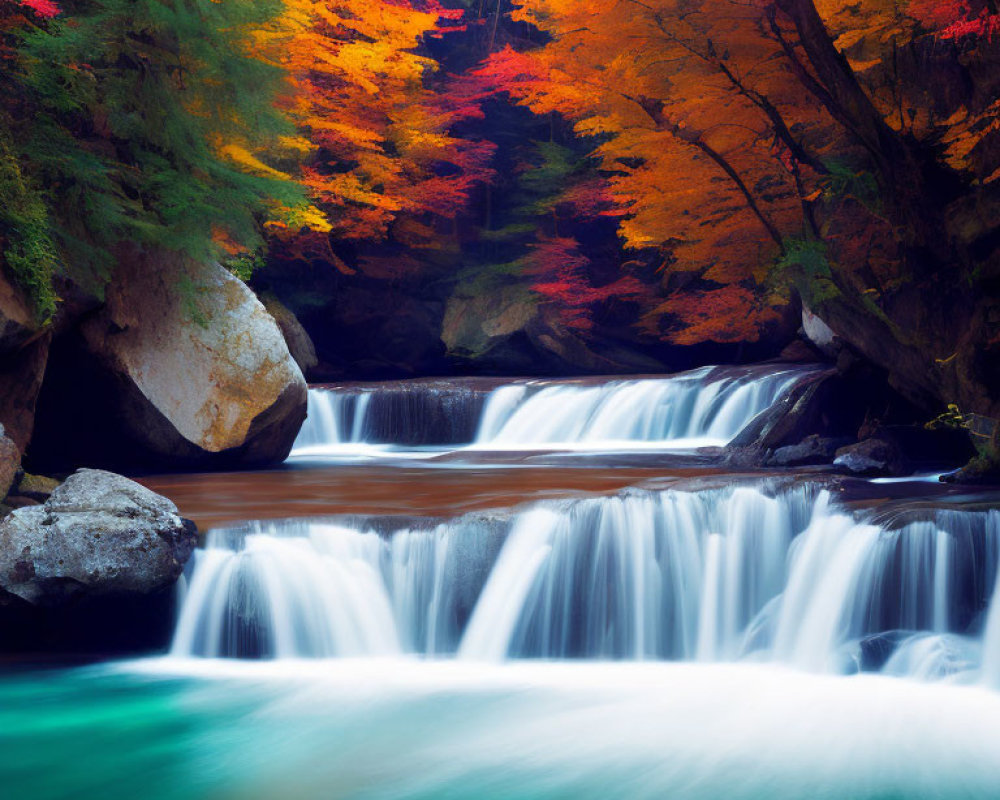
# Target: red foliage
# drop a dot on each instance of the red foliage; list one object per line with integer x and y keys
{"x": 732, "y": 313}
{"x": 560, "y": 270}
{"x": 955, "y": 19}
{"x": 45, "y": 9}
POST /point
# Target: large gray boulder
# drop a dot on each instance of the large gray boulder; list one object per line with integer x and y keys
{"x": 98, "y": 534}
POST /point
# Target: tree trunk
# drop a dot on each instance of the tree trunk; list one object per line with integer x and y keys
{"x": 914, "y": 187}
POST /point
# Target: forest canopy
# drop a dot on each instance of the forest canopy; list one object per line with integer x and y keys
{"x": 696, "y": 168}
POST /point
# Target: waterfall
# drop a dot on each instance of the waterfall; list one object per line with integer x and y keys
{"x": 315, "y": 589}
{"x": 407, "y": 414}
{"x": 709, "y": 406}
{"x": 741, "y": 573}
{"x": 704, "y": 407}
{"x": 991, "y": 645}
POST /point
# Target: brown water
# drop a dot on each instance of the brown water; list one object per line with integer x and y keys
{"x": 217, "y": 499}
{"x": 212, "y": 500}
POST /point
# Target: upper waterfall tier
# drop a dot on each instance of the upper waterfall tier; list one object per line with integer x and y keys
{"x": 717, "y": 575}
{"x": 709, "y": 406}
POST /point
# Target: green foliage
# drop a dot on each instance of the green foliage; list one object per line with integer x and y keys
{"x": 553, "y": 167}
{"x": 805, "y": 264}
{"x": 25, "y": 240}
{"x": 844, "y": 182}
{"x": 134, "y": 102}
{"x": 245, "y": 265}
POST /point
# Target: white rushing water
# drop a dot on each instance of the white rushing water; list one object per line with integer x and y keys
{"x": 705, "y": 407}
{"x": 699, "y": 408}
{"x": 404, "y": 728}
{"x": 736, "y": 574}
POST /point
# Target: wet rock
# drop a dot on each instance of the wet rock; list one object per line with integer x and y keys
{"x": 799, "y": 352}
{"x": 182, "y": 368}
{"x": 871, "y": 457}
{"x": 97, "y": 534}
{"x": 808, "y": 409}
{"x": 978, "y": 472}
{"x": 811, "y": 450}
{"x": 300, "y": 345}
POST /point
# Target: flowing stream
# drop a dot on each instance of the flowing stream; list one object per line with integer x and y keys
{"x": 705, "y": 407}
{"x": 734, "y": 574}
{"x": 553, "y": 632}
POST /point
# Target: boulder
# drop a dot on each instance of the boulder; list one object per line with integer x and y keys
{"x": 36, "y": 487}
{"x": 871, "y": 457}
{"x": 806, "y": 410}
{"x": 476, "y": 323}
{"x": 813, "y": 449}
{"x": 826, "y": 408}
{"x": 819, "y": 334}
{"x": 300, "y": 345}
{"x": 10, "y": 462}
{"x": 800, "y": 352}
{"x": 21, "y": 375}
{"x": 181, "y": 368}
{"x": 97, "y": 534}
{"x": 977, "y": 472}
{"x": 17, "y": 322}
{"x": 506, "y": 330}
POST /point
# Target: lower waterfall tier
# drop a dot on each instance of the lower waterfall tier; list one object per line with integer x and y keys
{"x": 741, "y": 573}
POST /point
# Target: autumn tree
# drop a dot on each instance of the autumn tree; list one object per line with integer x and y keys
{"x": 699, "y": 150}
{"x": 375, "y": 119}
{"x": 736, "y": 134}
{"x": 151, "y": 123}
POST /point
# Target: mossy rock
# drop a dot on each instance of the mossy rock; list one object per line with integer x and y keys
{"x": 37, "y": 487}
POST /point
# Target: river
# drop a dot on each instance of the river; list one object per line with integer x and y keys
{"x": 545, "y": 589}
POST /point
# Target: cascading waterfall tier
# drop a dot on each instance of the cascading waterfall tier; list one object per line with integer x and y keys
{"x": 741, "y": 573}
{"x": 708, "y": 406}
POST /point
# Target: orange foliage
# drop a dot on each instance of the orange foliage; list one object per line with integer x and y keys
{"x": 727, "y": 315}
{"x": 720, "y": 141}
{"x": 378, "y": 133}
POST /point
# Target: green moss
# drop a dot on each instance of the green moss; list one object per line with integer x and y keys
{"x": 843, "y": 182}
{"x": 190, "y": 294}
{"x": 805, "y": 264}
